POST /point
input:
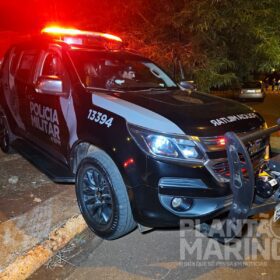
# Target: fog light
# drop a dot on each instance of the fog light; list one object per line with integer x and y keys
{"x": 181, "y": 204}
{"x": 176, "y": 202}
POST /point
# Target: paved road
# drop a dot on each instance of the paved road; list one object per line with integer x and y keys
{"x": 270, "y": 108}
{"x": 156, "y": 255}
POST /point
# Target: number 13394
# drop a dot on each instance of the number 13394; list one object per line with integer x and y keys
{"x": 99, "y": 118}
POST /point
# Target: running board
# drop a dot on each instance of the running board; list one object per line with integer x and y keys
{"x": 57, "y": 172}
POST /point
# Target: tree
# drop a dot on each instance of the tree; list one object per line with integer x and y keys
{"x": 220, "y": 42}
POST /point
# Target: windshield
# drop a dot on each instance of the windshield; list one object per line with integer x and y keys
{"x": 252, "y": 84}
{"x": 119, "y": 71}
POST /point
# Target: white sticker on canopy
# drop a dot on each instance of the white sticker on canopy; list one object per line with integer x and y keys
{"x": 233, "y": 118}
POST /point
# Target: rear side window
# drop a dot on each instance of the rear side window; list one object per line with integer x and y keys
{"x": 9, "y": 59}
{"x": 26, "y": 65}
{"x": 15, "y": 56}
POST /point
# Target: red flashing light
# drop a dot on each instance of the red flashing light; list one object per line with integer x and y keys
{"x": 221, "y": 141}
{"x": 243, "y": 170}
{"x": 128, "y": 162}
{"x": 111, "y": 37}
{"x": 61, "y": 31}
{"x": 56, "y": 30}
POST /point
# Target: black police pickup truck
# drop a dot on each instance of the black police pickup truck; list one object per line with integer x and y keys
{"x": 140, "y": 149}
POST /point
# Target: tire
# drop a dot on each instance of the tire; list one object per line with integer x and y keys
{"x": 102, "y": 196}
{"x": 5, "y": 136}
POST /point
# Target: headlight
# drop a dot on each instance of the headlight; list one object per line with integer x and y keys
{"x": 168, "y": 146}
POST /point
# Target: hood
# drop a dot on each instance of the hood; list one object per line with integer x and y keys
{"x": 197, "y": 113}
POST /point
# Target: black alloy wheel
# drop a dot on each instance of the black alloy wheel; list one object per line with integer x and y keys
{"x": 102, "y": 196}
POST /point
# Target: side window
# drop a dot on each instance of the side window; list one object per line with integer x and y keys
{"x": 52, "y": 66}
{"x": 52, "y": 71}
{"x": 25, "y": 65}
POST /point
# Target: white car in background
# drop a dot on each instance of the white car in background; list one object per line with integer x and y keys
{"x": 252, "y": 91}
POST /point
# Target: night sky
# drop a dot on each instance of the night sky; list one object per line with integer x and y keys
{"x": 31, "y": 15}
{"x": 19, "y": 17}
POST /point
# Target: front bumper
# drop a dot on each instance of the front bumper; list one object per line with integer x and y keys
{"x": 152, "y": 209}
{"x": 151, "y": 199}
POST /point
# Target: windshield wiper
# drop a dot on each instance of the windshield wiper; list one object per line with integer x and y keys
{"x": 152, "y": 89}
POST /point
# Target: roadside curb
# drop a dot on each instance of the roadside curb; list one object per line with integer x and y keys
{"x": 26, "y": 264}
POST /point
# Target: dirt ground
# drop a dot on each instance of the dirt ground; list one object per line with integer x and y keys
{"x": 22, "y": 186}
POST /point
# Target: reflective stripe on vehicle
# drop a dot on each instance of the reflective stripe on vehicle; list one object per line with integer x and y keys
{"x": 135, "y": 114}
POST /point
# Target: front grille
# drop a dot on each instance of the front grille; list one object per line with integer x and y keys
{"x": 221, "y": 168}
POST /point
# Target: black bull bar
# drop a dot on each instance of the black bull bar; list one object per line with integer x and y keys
{"x": 243, "y": 185}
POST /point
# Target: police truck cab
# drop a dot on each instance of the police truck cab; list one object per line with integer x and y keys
{"x": 140, "y": 149}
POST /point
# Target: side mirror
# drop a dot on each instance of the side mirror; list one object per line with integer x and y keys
{"x": 187, "y": 85}
{"x": 49, "y": 84}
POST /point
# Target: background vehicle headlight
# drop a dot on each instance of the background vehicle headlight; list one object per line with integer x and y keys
{"x": 161, "y": 145}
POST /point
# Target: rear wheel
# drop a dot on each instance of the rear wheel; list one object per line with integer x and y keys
{"x": 102, "y": 196}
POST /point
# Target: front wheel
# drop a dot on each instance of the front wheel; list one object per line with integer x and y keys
{"x": 102, "y": 196}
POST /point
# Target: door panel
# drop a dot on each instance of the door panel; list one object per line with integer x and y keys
{"x": 19, "y": 73}
{"x": 47, "y": 111}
